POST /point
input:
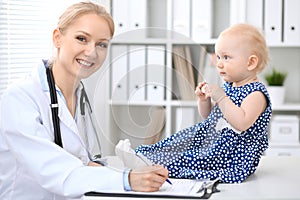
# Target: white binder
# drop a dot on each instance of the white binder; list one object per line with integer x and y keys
{"x": 273, "y": 23}
{"x": 137, "y": 14}
{"x": 291, "y": 22}
{"x": 137, "y": 73}
{"x": 254, "y": 13}
{"x": 129, "y": 15}
{"x": 181, "y": 17}
{"x": 155, "y": 72}
{"x": 119, "y": 59}
{"x": 237, "y": 11}
{"x": 120, "y": 12}
{"x": 201, "y": 20}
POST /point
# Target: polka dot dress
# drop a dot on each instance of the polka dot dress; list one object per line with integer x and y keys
{"x": 205, "y": 150}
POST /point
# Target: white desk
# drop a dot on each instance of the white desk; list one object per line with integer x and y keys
{"x": 277, "y": 178}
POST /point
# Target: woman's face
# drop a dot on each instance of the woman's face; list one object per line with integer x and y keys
{"x": 82, "y": 47}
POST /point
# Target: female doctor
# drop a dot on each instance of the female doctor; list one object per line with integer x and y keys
{"x": 32, "y": 165}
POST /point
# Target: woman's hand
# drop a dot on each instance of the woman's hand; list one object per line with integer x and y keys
{"x": 94, "y": 164}
{"x": 148, "y": 179}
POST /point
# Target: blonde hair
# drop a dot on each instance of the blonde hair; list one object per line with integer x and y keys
{"x": 78, "y": 9}
{"x": 255, "y": 39}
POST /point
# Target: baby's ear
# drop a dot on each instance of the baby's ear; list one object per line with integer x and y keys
{"x": 252, "y": 62}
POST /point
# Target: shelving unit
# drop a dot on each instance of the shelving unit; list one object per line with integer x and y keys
{"x": 132, "y": 119}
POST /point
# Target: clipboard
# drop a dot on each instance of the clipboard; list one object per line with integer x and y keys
{"x": 205, "y": 192}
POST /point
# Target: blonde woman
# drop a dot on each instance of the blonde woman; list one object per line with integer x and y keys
{"x": 32, "y": 165}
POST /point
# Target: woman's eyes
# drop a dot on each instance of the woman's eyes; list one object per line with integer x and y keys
{"x": 103, "y": 45}
{"x": 81, "y": 38}
{"x": 84, "y": 39}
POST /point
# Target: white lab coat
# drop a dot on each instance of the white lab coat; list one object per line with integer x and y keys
{"x": 32, "y": 166}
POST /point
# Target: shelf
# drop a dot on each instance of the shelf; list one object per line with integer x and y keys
{"x": 284, "y": 145}
{"x": 138, "y": 103}
{"x": 187, "y": 41}
{"x": 283, "y": 45}
{"x": 287, "y": 107}
{"x": 184, "y": 103}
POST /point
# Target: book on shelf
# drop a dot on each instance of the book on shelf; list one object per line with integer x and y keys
{"x": 184, "y": 72}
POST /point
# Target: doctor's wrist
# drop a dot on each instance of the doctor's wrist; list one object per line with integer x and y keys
{"x": 126, "y": 180}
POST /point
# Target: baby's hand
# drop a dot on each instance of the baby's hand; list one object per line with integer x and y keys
{"x": 201, "y": 90}
{"x": 215, "y": 92}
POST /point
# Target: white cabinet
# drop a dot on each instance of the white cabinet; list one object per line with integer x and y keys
{"x": 151, "y": 117}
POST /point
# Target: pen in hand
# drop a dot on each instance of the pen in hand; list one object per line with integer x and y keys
{"x": 147, "y": 162}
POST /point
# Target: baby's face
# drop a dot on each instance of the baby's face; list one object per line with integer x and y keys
{"x": 233, "y": 52}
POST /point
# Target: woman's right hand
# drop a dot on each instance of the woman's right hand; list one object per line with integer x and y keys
{"x": 148, "y": 179}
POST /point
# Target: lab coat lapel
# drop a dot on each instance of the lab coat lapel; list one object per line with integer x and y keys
{"x": 65, "y": 116}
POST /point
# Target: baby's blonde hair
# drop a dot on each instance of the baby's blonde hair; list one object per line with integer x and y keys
{"x": 255, "y": 39}
{"x": 78, "y": 9}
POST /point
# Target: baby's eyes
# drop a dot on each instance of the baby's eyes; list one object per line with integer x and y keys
{"x": 225, "y": 57}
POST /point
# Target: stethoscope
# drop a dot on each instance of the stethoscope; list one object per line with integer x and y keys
{"x": 84, "y": 100}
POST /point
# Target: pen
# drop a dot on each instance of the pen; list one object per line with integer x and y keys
{"x": 147, "y": 163}
{"x": 168, "y": 180}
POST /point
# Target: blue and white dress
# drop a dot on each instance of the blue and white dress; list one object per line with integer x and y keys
{"x": 213, "y": 149}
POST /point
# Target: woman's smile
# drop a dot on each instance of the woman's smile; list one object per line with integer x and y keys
{"x": 84, "y": 63}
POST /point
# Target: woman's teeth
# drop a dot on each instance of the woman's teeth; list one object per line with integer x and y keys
{"x": 85, "y": 63}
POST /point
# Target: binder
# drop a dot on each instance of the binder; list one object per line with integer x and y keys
{"x": 273, "y": 23}
{"x": 181, "y": 17}
{"x": 137, "y": 73}
{"x": 155, "y": 73}
{"x": 137, "y": 14}
{"x": 119, "y": 59}
{"x": 201, "y": 20}
{"x": 291, "y": 22}
{"x": 254, "y": 13}
{"x": 129, "y": 15}
{"x": 237, "y": 11}
{"x": 120, "y": 12}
